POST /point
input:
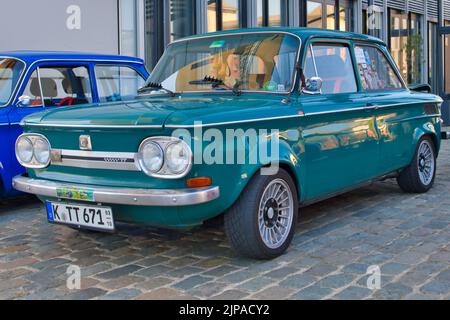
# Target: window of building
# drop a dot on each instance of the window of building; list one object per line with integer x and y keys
{"x": 447, "y": 59}
{"x": 128, "y": 29}
{"x": 375, "y": 71}
{"x": 432, "y": 49}
{"x": 212, "y": 16}
{"x": 414, "y": 49}
{"x": 182, "y": 18}
{"x": 330, "y": 17}
{"x": 406, "y": 44}
{"x": 271, "y": 13}
{"x": 346, "y": 16}
{"x": 154, "y": 34}
{"x": 398, "y": 39}
{"x": 333, "y": 64}
{"x": 166, "y": 21}
{"x": 372, "y": 21}
{"x": 59, "y": 86}
{"x": 324, "y": 14}
{"x": 223, "y": 15}
{"x": 314, "y": 14}
{"x": 116, "y": 83}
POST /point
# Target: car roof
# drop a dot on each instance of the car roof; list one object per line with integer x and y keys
{"x": 302, "y": 33}
{"x": 32, "y": 56}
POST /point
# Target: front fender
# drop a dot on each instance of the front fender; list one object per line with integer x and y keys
{"x": 431, "y": 129}
{"x": 233, "y": 178}
{"x": 286, "y": 156}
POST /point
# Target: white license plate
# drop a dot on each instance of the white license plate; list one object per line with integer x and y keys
{"x": 88, "y": 217}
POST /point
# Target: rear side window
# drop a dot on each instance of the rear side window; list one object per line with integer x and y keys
{"x": 375, "y": 70}
{"x": 117, "y": 83}
{"x": 333, "y": 64}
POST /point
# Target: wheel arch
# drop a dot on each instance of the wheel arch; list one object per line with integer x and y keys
{"x": 427, "y": 130}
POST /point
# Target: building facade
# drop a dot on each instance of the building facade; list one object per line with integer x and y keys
{"x": 416, "y": 31}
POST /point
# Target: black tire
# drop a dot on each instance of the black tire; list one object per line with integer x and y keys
{"x": 242, "y": 219}
{"x": 412, "y": 179}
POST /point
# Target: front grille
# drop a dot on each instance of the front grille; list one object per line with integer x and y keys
{"x": 125, "y": 161}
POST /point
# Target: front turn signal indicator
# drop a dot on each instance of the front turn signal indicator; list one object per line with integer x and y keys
{"x": 199, "y": 182}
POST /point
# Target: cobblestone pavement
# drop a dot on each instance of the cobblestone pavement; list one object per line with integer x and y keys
{"x": 407, "y": 236}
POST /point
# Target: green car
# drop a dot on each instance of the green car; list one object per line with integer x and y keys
{"x": 252, "y": 124}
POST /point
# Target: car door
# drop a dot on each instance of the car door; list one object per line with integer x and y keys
{"x": 341, "y": 142}
{"x": 391, "y": 102}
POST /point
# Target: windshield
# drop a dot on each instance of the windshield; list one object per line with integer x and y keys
{"x": 10, "y": 72}
{"x": 256, "y": 62}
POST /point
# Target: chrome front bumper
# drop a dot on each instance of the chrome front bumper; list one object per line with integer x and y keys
{"x": 124, "y": 196}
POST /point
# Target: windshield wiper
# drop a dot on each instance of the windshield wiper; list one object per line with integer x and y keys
{"x": 215, "y": 83}
{"x": 151, "y": 86}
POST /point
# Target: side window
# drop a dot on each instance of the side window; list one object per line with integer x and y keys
{"x": 375, "y": 70}
{"x": 59, "y": 86}
{"x": 116, "y": 83}
{"x": 333, "y": 64}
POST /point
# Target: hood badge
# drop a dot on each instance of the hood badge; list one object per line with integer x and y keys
{"x": 85, "y": 143}
{"x": 56, "y": 155}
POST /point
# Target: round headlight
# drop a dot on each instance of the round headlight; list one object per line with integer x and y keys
{"x": 24, "y": 150}
{"x": 177, "y": 157}
{"x": 41, "y": 151}
{"x": 151, "y": 156}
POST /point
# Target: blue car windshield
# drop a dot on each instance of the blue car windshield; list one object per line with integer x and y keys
{"x": 10, "y": 72}
{"x": 262, "y": 62}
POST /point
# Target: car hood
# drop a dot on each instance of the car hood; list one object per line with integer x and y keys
{"x": 157, "y": 112}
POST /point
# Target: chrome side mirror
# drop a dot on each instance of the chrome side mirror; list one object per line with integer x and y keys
{"x": 313, "y": 86}
{"x": 24, "y": 101}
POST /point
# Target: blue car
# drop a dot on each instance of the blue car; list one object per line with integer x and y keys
{"x": 33, "y": 81}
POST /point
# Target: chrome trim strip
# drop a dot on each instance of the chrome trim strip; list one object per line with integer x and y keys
{"x": 294, "y": 77}
{"x": 232, "y": 122}
{"x": 423, "y": 116}
{"x": 174, "y": 126}
{"x": 93, "y": 164}
{"x": 98, "y": 160}
{"x": 363, "y": 108}
{"x": 122, "y": 196}
{"x": 97, "y": 154}
{"x": 81, "y": 126}
{"x": 337, "y": 111}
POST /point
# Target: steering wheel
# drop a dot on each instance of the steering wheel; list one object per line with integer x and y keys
{"x": 68, "y": 100}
